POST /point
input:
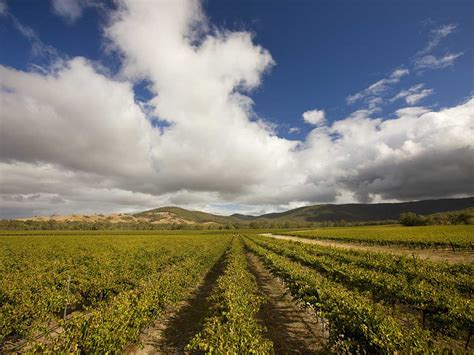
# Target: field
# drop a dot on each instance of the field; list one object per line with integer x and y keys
{"x": 457, "y": 236}
{"x": 235, "y": 292}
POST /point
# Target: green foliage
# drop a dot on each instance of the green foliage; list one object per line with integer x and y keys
{"x": 446, "y": 305}
{"x": 118, "y": 284}
{"x": 456, "y": 236}
{"x": 412, "y": 219}
{"x": 112, "y": 284}
{"x": 356, "y": 322}
{"x": 303, "y": 217}
{"x": 232, "y": 327}
{"x": 443, "y": 218}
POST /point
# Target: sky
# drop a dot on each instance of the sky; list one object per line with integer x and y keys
{"x": 233, "y": 106}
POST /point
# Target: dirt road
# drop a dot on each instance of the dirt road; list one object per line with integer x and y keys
{"x": 430, "y": 254}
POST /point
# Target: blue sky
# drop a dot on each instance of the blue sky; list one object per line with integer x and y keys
{"x": 319, "y": 56}
{"x": 324, "y": 50}
{"x": 327, "y": 50}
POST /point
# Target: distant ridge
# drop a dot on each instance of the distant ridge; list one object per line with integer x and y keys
{"x": 352, "y": 212}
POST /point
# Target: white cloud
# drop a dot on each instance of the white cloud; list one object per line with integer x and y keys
{"x": 315, "y": 117}
{"x": 378, "y": 87}
{"x": 374, "y": 102}
{"x": 74, "y": 139}
{"x": 3, "y": 7}
{"x": 413, "y": 94}
{"x": 414, "y": 98}
{"x": 71, "y": 10}
{"x": 424, "y": 59}
{"x": 295, "y": 130}
{"x": 398, "y": 73}
{"x": 433, "y": 62}
{"x": 390, "y": 158}
{"x": 38, "y": 48}
{"x": 437, "y": 35}
{"x": 54, "y": 118}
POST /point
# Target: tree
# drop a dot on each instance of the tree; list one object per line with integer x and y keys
{"x": 412, "y": 219}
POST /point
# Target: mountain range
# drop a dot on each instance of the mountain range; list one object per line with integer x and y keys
{"x": 320, "y": 213}
{"x": 352, "y": 212}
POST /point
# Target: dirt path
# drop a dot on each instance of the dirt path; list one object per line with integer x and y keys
{"x": 431, "y": 254}
{"x": 171, "y": 332}
{"x": 292, "y": 328}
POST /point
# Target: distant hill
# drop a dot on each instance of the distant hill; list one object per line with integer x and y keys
{"x": 353, "y": 212}
{"x": 186, "y": 215}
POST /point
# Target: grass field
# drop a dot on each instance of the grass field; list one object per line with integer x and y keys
{"x": 216, "y": 291}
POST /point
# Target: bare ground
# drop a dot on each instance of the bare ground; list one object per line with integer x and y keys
{"x": 292, "y": 328}
{"x": 171, "y": 332}
{"x": 430, "y": 254}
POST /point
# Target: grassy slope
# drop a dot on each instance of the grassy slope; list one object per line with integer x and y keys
{"x": 319, "y": 213}
{"x": 368, "y": 212}
{"x": 192, "y": 216}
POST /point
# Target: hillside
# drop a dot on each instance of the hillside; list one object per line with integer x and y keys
{"x": 299, "y": 216}
{"x": 318, "y": 213}
{"x": 367, "y": 212}
{"x": 185, "y": 215}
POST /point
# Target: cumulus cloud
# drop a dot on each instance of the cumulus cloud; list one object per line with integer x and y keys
{"x": 418, "y": 154}
{"x": 76, "y": 118}
{"x": 413, "y": 94}
{"x": 76, "y": 140}
{"x": 315, "y": 117}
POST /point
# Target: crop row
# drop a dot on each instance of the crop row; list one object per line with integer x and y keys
{"x": 443, "y": 307}
{"x": 111, "y": 326}
{"x": 232, "y": 326}
{"x": 439, "y": 274}
{"x": 42, "y": 279}
{"x": 447, "y": 237}
{"x": 354, "y": 320}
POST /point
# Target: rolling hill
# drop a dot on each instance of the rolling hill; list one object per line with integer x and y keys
{"x": 319, "y": 213}
{"x": 299, "y": 216}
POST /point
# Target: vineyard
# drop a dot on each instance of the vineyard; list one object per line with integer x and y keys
{"x": 456, "y": 236}
{"x": 103, "y": 292}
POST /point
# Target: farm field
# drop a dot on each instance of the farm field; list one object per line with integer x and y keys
{"x": 435, "y": 254}
{"x": 444, "y": 237}
{"x": 227, "y": 291}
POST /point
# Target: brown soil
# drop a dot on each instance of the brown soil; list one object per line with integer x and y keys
{"x": 430, "y": 254}
{"x": 171, "y": 332}
{"x": 292, "y": 328}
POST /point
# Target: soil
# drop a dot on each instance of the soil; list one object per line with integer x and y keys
{"x": 292, "y": 328}
{"x": 430, "y": 254}
{"x": 170, "y": 333}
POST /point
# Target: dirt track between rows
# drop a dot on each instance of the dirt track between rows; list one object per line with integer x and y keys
{"x": 292, "y": 328}
{"x": 429, "y": 254}
{"x": 170, "y": 333}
